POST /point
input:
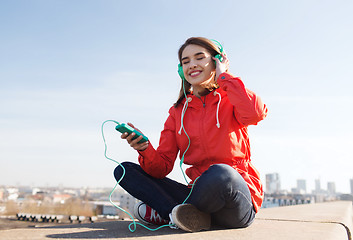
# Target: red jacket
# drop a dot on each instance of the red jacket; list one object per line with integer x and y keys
{"x": 217, "y": 127}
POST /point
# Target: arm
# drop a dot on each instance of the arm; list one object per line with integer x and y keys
{"x": 248, "y": 107}
{"x": 159, "y": 163}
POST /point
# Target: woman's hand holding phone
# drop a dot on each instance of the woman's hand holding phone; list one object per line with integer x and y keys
{"x": 135, "y": 143}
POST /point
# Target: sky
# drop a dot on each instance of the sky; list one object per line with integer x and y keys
{"x": 68, "y": 66}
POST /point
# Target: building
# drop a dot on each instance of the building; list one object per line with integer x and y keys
{"x": 122, "y": 199}
{"x": 127, "y": 202}
{"x": 351, "y": 181}
{"x": 105, "y": 208}
{"x": 13, "y": 194}
{"x": 301, "y": 186}
{"x": 331, "y": 188}
{"x": 61, "y": 198}
{"x": 317, "y": 186}
{"x": 273, "y": 183}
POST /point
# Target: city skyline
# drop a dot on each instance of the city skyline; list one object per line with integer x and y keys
{"x": 300, "y": 187}
{"x": 273, "y": 185}
{"x": 67, "y": 66}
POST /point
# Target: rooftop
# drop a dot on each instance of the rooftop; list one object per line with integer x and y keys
{"x": 330, "y": 220}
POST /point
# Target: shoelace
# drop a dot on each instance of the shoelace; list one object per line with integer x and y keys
{"x": 152, "y": 215}
{"x": 172, "y": 225}
{"x": 155, "y": 216}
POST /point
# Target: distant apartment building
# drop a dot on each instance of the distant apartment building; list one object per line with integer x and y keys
{"x": 351, "y": 182}
{"x": 127, "y": 202}
{"x": 318, "y": 186}
{"x": 301, "y": 186}
{"x": 331, "y": 188}
{"x": 273, "y": 183}
{"x": 13, "y": 194}
{"x": 121, "y": 199}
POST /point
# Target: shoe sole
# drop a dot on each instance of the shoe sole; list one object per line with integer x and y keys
{"x": 188, "y": 218}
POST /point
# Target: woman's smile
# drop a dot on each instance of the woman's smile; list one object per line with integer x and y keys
{"x": 195, "y": 73}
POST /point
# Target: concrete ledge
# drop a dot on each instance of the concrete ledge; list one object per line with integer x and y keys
{"x": 339, "y": 213}
{"x": 313, "y": 221}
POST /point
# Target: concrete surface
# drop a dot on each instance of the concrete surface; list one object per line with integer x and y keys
{"x": 313, "y": 221}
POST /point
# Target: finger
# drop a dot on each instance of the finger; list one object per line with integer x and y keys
{"x": 225, "y": 58}
{"x": 217, "y": 60}
{"x": 136, "y": 145}
{"x": 135, "y": 141}
{"x": 143, "y": 146}
{"x": 124, "y": 135}
{"x": 129, "y": 138}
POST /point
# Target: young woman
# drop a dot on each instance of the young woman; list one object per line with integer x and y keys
{"x": 208, "y": 128}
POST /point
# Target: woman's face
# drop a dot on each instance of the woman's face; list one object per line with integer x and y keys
{"x": 198, "y": 66}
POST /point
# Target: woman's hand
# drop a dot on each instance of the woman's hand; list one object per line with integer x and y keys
{"x": 134, "y": 143}
{"x": 223, "y": 66}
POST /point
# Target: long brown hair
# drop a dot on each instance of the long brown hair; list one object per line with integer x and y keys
{"x": 211, "y": 47}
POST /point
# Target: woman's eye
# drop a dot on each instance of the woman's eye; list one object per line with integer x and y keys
{"x": 186, "y": 62}
{"x": 200, "y": 58}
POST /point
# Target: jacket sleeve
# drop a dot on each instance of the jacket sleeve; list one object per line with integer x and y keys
{"x": 248, "y": 107}
{"x": 159, "y": 163}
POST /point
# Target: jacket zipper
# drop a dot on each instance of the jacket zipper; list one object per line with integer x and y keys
{"x": 202, "y": 129}
{"x": 204, "y": 101}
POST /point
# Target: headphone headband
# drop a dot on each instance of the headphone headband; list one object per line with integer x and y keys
{"x": 218, "y": 44}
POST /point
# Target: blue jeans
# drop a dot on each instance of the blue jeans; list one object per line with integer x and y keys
{"x": 220, "y": 191}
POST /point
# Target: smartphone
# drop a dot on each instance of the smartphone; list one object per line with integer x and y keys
{"x": 123, "y": 128}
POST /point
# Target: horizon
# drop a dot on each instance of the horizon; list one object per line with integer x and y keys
{"x": 109, "y": 188}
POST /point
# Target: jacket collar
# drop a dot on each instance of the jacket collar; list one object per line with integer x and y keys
{"x": 197, "y": 103}
{"x": 211, "y": 98}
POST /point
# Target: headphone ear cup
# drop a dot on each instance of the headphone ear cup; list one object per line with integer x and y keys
{"x": 181, "y": 72}
{"x": 219, "y": 56}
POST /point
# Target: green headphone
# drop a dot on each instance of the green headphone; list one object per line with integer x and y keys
{"x": 219, "y": 56}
